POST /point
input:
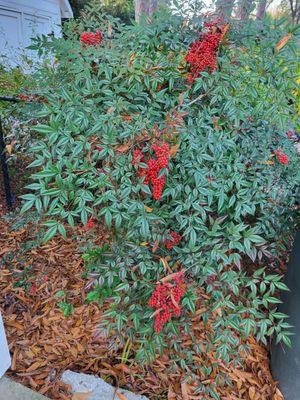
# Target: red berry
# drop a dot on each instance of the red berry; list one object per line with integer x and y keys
{"x": 89, "y": 225}
{"x": 154, "y": 166}
{"x": 165, "y": 299}
{"x": 211, "y": 278}
{"x": 281, "y": 157}
{"x": 91, "y": 39}
{"x": 202, "y": 55}
{"x": 24, "y": 97}
{"x": 170, "y": 243}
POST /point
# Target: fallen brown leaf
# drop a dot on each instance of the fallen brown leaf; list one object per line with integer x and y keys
{"x": 121, "y": 396}
{"x": 170, "y": 277}
{"x": 173, "y": 150}
{"x": 185, "y": 391}
{"x": 110, "y": 110}
{"x": 283, "y": 41}
{"x": 216, "y": 123}
{"x": 251, "y": 393}
{"x": 123, "y": 148}
{"x": 81, "y": 396}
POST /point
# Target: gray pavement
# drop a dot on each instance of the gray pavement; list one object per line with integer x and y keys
{"x": 96, "y": 387}
{"x": 11, "y": 390}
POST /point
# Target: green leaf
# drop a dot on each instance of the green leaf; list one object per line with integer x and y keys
{"x": 45, "y": 129}
{"x": 62, "y": 231}
{"x": 272, "y": 300}
{"x": 26, "y": 206}
{"x": 279, "y": 315}
{"x": 144, "y": 228}
{"x": 50, "y": 233}
{"x": 60, "y": 293}
{"x": 281, "y": 286}
{"x": 108, "y": 217}
{"x": 94, "y": 295}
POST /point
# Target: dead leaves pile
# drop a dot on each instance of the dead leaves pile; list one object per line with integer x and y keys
{"x": 43, "y": 343}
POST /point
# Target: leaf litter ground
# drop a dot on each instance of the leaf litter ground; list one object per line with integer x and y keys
{"x": 44, "y": 343}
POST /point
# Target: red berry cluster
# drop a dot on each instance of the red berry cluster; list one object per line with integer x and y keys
{"x": 166, "y": 298}
{"x": 137, "y": 156}
{"x": 89, "y": 225}
{"x": 24, "y": 97}
{"x": 281, "y": 157}
{"x": 202, "y": 55}
{"x": 154, "y": 166}
{"x": 211, "y": 279}
{"x": 91, "y": 39}
{"x": 170, "y": 243}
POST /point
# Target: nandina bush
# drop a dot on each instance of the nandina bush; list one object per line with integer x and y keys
{"x": 196, "y": 179}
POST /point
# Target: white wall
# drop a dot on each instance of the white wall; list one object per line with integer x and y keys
{"x": 4, "y": 352}
{"x": 22, "y": 19}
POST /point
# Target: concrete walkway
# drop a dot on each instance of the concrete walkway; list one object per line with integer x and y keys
{"x": 96, "y": 388}
{"x": 11, "y": 390}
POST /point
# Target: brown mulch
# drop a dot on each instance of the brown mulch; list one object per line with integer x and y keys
{"x": 44, "y": 343}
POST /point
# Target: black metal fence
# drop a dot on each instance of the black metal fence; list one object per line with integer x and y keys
{"x": 285, "y": 362}
{"x": 4, "y": 167}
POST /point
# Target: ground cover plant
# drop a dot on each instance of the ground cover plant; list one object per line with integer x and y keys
{"x": 179, "y": 136}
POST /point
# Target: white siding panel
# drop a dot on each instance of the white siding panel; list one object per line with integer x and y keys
{"x": 10, "y": 34}
{"x": 10, "y": 27}
{"x": 33, "y": 6}
{"x": 34, "y": 25}
{"x": 4, "y": 352}
{"x": 20, "y": 20}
